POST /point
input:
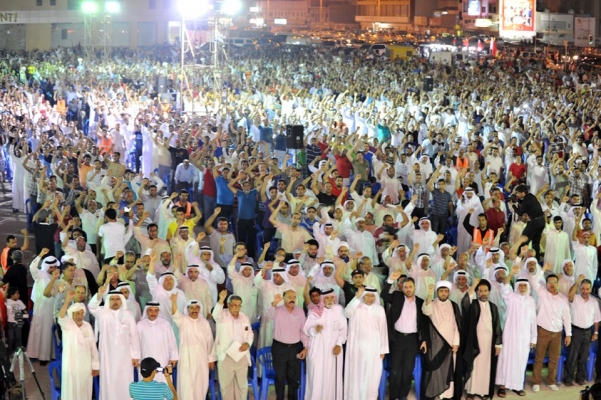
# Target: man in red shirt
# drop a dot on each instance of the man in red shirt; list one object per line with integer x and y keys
{"x": 344, "y": 166}
{"x": 494, "y": 215}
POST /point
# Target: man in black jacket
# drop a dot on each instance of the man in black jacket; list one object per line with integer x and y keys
{"x": 405, "y": 320}
{"x": 481, "y": 339}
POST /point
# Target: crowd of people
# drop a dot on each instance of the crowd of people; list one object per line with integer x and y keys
{"x": 457, "y": 228}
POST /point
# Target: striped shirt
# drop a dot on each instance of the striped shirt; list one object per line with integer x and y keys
{"x": 313, "y": 151}
{"x": 150, "y": 391}
{"x": 440, "y": 203}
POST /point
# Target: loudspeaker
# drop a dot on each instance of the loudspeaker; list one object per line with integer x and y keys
{"x": 428, "y": 84}
{"x": 295, "y": 135}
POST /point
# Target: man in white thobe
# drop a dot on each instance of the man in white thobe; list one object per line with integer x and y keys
{"x": 468, "y": 201}
{"x": 519, "y": 336}
{"x": 81, "y": 362}
{"x": 268, "y": 289}
{"x": 162, "y": 289}
{"x": 557, "y": 246}
{"x": 208, "y": 269}
{"x": 367, "y": 345}
{"x": 39, "y": 342}
{"x": 233, "y": 329}
{"x": 193, "y": 286}
{"x": 243, "y": 282}
{"x": 326, "y": 327}
{"x": 157, "y": 339}
{"x": 197, "y": 350}
{"x": 119, "y": 344}
{"x": 585, "y": 257}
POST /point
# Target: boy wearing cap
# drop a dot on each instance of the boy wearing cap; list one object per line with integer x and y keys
{"x": 148, "y": 388}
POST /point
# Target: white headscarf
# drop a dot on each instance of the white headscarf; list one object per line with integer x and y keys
{"x": 521, "y": 281}
{"x": 149, "y": 305}
{"x": 280, "y": 271}
{"x": 194, "y": 302}
{"x": 75, "y": 307}
{"x": 374, "y": 291}
{"x": 44, "y": 278}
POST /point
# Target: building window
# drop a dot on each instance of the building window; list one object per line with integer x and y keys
{"x": 52, "y": 2}
{"x": 38, "y": 3}
{"x": 493, "y": 9}
{"x": 152, "y": 4}
{"x": 73, "y": 5}
{"x": 64, "y": 33}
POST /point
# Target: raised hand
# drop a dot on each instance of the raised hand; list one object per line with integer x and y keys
{"x": 395, "y": 275}
{"x": 44, "y": 251}
{"x": 276, "y": 299}
{"x": 222, "y": 296}
{"x": 173, "y": 297}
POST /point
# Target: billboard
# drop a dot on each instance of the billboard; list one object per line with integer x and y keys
{"x": 473, "y": 8}
{"x": 584, "y": 28}
{"x": 517, "y": 17}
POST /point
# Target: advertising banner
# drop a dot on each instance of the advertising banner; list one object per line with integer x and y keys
{"x": 517, "y": 16}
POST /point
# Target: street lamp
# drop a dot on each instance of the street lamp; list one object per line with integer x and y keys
{"x": 89, "y": 7}
{"x": 112, "y": 7}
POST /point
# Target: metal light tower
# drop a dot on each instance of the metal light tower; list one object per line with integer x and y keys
{"x": 218, "y": 17}
{"x": 97, "y": 26}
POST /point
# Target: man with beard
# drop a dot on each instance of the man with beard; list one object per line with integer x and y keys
{"x": 294, "y": 236}
{"x": 557, "y": 246}
{"x": 585, "y": 256}
{"x": 269, "y": 289}
{"x": 150, "y": 241}
{"x": 119, "y": 345}
{"x": 566, "y": 279}
{"x": 367, "y": 345}
{"x": 529, "y": 205}
{"x": 482, "y": 341}
{"x": 441, "y": 332}
{"x": 197, "y": 349}
{"x": 405, "y": 333}
{"x": 423, "y": 275}
{"x": 223, "y": 248}
{"x": 240, "y": 257}
{"x": 461, "y": 284}
{"x": 156, "y": 338}
{"x": 396, "y": 257}
{"x": 80, "y": 355}
{"x": 83, "y": 257}
{"x": 517, "y": 341}
{"x": 297, "y": 278}
{"x": 585, "y": 327}
{"x": 308, "y": 257}
{"x": 193, "y": 286}
{"x": 326, "y": 327}
{"x": 243, "y": 283}
{"x": 208, "y": 269}
{"x": 357, "y": 276}
{"x": 553, "y": 316}
{"x": 162, "y": 289}
{"x": 289, "y": 345}
{"x": 469, "y": 201}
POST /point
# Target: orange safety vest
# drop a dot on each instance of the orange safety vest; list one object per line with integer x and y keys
{"x": 477, "y": 237}
{"x": 4, "y": 258}
{"x": 459, "y": 163}
{"x": 188, "y": 208}
{"x": 61, "y": 107}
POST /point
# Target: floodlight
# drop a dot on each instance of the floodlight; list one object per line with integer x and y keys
{"x": 89, "y": 7}
{"x": 231, "y": 7}
{"x": 112, "y": 7}
{"x": 192, "y": 8}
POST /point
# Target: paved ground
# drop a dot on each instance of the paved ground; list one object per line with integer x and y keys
{"x": 12, "y": 224}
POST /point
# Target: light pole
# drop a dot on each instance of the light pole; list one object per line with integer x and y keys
{"x": 97, "y": 19}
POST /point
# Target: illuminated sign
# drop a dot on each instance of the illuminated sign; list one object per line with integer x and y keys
{"x": 518, "y": 16}
{"x": 473, "y": 8}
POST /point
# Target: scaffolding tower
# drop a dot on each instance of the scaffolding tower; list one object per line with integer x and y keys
{"x": 97, "y": 28}
{"x": 201, "y": 59}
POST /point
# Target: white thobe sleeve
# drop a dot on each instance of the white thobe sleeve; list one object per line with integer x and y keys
{"x": 351, "y": 307}
{"x": 177, "y": 318}
{"x": 134, "y": 339}
{"x": 533, "y": 325}
{"x": 217, "y": 273}
{"x": 310, "y": 324}
{"x": 94, "y": 306}
{"x": 217, "y": 313}
{"x": 342, "y": 331}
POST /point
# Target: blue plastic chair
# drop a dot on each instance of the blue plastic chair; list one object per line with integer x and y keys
{"x": 136, "y": 375}
{"x": 590, "y": 364}
{"x": 417, "y": 376}
{"x": 55, "y": 368}
{"x": 253, "y": 379}
{"x": 563, "y": 358}
{"x": 58, "y": 348}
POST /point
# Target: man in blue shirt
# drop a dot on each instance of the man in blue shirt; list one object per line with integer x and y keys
{"x": 148, "y": 388}
{"x": 247, "y": 206}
